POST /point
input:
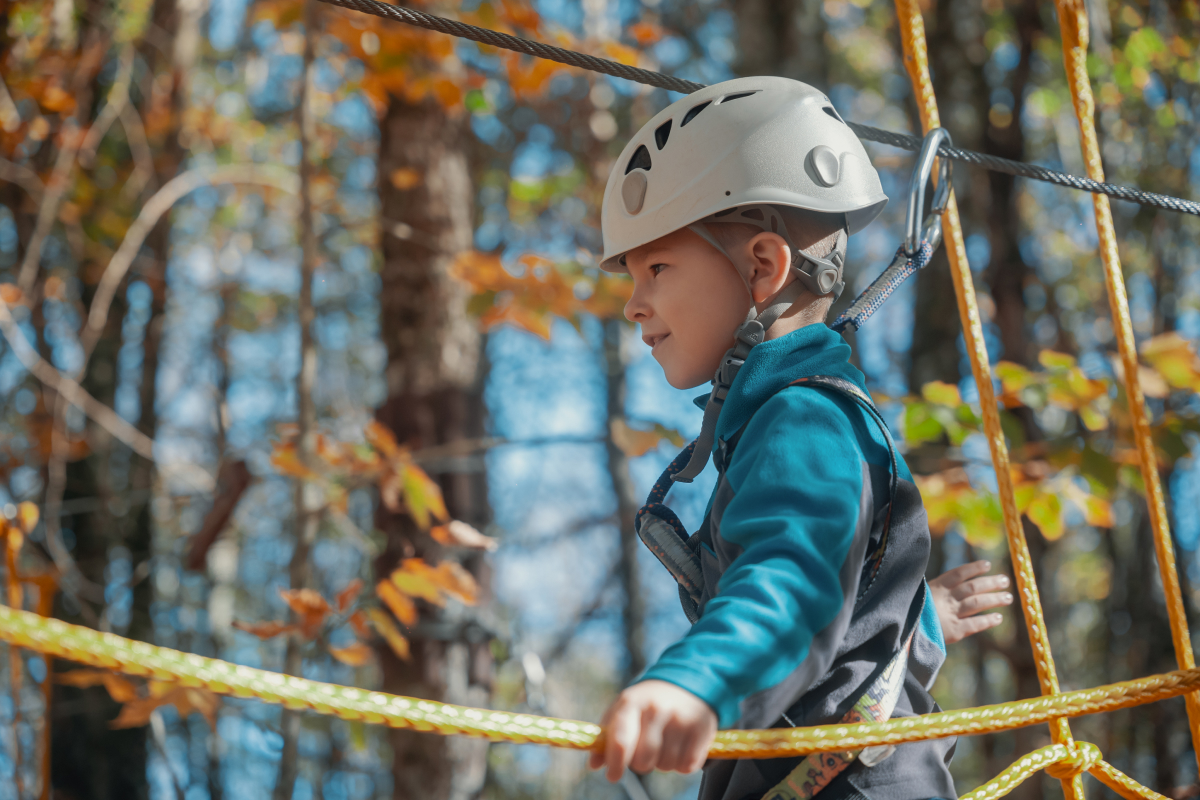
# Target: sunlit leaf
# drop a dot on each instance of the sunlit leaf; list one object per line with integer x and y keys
{"x": 354, "y": 655}
{"x": 1054, "y": 360}
{"x": 633, "y": 442}
{"x": 402, "y": 606}
{"x": 457, "y": 533}
{"x": 264, "y": 630}
{"x": 346, "y": 597}
{"x": 945, "y": 394}
{"x": 1045, "y": 511}
{"x": 422, "y": 497}
{"x": 309, "y": 606}
{"x": 136, "y": 713}
{"x": 119, "y": 688}
{"x": 390, "y": 633}
{"x": 405, "y": 178}
{"x": 1174, "y": 359}
{"x": 418, "y": 579}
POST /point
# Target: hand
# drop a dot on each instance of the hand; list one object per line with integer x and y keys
{"x": 960, "y": 593}
{"x": 655, "y": 725}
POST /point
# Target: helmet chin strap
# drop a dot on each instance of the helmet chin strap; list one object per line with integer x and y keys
{"x": 753, "y": 331}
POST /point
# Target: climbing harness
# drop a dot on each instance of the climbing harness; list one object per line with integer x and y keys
{"x": 1065, "y": 759}
{"x": 664, "y": 535}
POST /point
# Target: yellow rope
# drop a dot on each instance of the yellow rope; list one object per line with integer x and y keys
{"x": 1072, "y": 16}
{"x": 108, "y": 651}
{"x": 916, "y": 61}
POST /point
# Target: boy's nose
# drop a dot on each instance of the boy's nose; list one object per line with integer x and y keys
{"x": 636, "y": 310}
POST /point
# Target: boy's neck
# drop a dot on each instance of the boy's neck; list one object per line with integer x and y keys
{"x": 808, "y": 310}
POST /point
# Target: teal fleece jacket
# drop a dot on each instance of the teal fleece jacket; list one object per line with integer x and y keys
{"x": 798, "y": 481}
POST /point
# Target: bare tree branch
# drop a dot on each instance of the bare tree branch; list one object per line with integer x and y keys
{"x": 51, "y": 202}
{"x": 115, "y": 103}
{"x": 143, "y": 172}
{"x": 102, "y": 415}
{"x": 24, "y": 177}
{"x": 162, "y": 201}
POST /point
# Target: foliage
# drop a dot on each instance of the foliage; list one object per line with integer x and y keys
{"x": 1060, "y": 468}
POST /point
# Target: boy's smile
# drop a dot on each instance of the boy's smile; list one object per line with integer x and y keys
{"x": 689, "y": 300}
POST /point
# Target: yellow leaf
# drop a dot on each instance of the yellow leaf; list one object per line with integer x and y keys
{"x": 1045, "y": 511}
{"x": 355, "y": 655}
{"x": 1173, "y": 357}
{"x": 1054, "y": 360}
{"x": 459, "y": 534}
{"x": 418, "y": 579}
{"x": 422, "y": 497}
{"x": 27, "y": 516}
{"x": 390, "y": 633}
{"x": 633, "y": 442}
{"x": 944, "y": 394}
{"x": 404, "y": 608}
{"x": 405, "y": 178}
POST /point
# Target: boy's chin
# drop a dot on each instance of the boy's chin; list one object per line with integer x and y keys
{"x": 680, "y": 378}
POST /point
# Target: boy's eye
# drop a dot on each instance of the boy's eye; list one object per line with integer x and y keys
{"x": 657, "y": 268}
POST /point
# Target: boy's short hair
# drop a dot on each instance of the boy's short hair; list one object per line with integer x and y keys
{"x": 813, "y": 232}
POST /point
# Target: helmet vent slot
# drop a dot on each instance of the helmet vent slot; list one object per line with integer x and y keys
{"x": 737, "y": 96}
{"x": 726, "y": 212}
{"x": 694, "y": 111}
{"x": 640, "y": 160}
{"x": 829, "y": 110}
{"x": 753, "y": 213}
{"x": 661, "y": 134}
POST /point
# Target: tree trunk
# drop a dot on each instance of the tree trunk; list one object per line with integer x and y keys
{"x": 435, "y": 396}
{"x": 633, "y": 615}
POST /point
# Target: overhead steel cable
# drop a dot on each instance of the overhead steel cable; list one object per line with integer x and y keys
{"x": 904, "y": 141}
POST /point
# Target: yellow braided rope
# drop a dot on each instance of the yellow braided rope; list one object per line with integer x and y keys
{"x": 1122, "y": 784}
{"x": 1012, "y": 777}
{"x": 108, "y": 651}
{"x": 916, "y": 61}
{"x": 1072, "y": 16}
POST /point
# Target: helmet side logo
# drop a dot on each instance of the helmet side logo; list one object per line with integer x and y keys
{"x": 633, "y": 191}
{"x": 823, "y": 165}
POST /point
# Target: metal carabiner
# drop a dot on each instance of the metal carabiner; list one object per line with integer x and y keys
{"x": 922, "y": 172}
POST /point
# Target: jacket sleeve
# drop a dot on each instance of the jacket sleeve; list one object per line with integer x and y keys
{"x": 798, "y": 480}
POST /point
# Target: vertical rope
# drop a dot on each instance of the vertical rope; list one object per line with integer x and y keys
{"x": 916, "y": 61}
{"x": 1073, "y": 21}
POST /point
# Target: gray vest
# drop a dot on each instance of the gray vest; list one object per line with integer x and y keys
{"x": 883, "y": 583}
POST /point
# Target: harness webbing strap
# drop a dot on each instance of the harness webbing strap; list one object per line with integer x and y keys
{"x": 903, "y": 141}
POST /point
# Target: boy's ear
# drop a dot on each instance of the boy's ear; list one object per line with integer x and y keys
{"x": 771, "y": 262}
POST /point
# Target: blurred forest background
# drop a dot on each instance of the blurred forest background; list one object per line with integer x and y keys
{"x": 359, "y": 404}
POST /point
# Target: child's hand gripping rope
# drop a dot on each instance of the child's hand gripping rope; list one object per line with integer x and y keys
{"x": 655, "y": 725}
{"x": 960, "y": 594}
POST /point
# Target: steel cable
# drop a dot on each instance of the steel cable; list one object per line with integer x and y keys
{"x": 904, "y": 141}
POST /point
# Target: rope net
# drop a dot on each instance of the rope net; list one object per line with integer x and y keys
{"x": 1065, "y": 759}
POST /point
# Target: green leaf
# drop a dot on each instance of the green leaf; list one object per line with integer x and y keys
{"x": 944, "y": 394}
{"x": 919, "y": 425}
{"x": 1045, "y": 511}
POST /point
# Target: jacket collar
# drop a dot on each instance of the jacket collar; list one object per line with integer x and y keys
{"x": 772, "y": 365}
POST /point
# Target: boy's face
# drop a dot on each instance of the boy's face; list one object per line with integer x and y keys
{"x": 689, "y": 300}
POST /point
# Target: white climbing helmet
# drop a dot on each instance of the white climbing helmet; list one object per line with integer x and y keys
{"x": 761, "y": 140}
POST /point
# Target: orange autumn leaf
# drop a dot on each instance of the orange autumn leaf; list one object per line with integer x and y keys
{"x": 404, "y": 608}
{"x": 358, "y": 621}
{"x": 286, "y": 459}
{"x": 382, "y": 439}
{"x": 644, "y": 33}
{"x": 118, "y": 688}
{"x": 390, "y": 633}
{"x": 418, "y": 579}
{"x": 264, "y": 630}
{"x": 633, "y": 442}
{"x": 346, "y": 597}
{"x": 405, "y": 178}
{"x": 10, "y": 294}
{"x": 354, "y": 655}
{"x": 136, "y": 713}
{"x": 309, "y": 606}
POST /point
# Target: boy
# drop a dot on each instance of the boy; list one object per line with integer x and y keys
{"x": 730, "y": 210}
